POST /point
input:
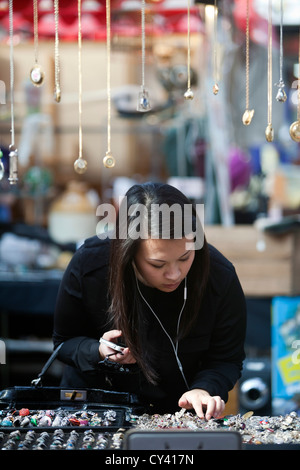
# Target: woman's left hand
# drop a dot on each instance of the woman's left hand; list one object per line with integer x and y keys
{"x": 201, "y": 400}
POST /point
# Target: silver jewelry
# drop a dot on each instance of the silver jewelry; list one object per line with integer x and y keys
{"x": 36, "y": 73}
{"x": 143, "y": 98}
{"x": 281, "y": 94}
{"x": 13, "y": 152}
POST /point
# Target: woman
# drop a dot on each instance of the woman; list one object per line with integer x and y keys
{"x": 174, "y": 301}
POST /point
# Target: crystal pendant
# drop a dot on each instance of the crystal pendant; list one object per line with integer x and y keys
{"x": 247, "y": 116}
{"x": 80, "y": 166}
{"x": 215, "y": 89}
{"x": 295, "y": 131}
{"x": 143, "y": 101}
{"x": 108, "y": 160}
{"x": 281, "y": 95}
{"x": 13, "y": 165}
{"x": 57, "y": 94}
{"x": 37, "y": 75}
{"x": 2, "y": 170}
{"x": 189, "y": 95}
{"x": 269, "y": 133}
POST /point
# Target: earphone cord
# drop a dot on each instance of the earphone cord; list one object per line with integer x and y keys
{"x": 175, "y": 347}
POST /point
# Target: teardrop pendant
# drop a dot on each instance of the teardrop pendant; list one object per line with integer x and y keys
{"x": 215, "y": 89}
{"x": 269, "y": 133}
{"x": 80, "y": 166}
{"x": 295, "y": 131}
{"x": 189, "y": 95}
{"x": 247, "y": 117}
{"x": 281, "y": 95}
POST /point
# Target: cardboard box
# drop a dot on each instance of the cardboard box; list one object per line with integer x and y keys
{"x": 275, "y": 271}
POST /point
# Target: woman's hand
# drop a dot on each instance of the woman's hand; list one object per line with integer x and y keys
{"x": 201, "y": 400}
{"x": 125, "y": 357}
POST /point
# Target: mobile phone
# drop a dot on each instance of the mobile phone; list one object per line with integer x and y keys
{"x": 111, "y": 345}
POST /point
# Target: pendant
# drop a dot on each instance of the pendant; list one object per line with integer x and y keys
{"x": 143, "y": 101}
{"x": 37, "y": 75}
{"x": 189, "y": 95}
{"x": 80, "y": 166}
{"x": 295, "y": 131}
{"x": 108, "y": 160}
{"x": 269, "y": 133}
{"x": 13, "y": 166}
{"x": 215, "y": 89}
{"x": 57, "y": 94}
{"x": 2, "y": 169}
{"x": 247, "y": 116}
{"x": 281, "y": 95}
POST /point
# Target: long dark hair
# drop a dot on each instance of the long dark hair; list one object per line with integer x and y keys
{"x": 125, "y": 302}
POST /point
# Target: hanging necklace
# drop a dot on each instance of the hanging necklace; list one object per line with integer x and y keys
{"x": 143, "y": 98}
{"x": 248, "y": 114}
{"x": 36, "y": 73}
{"x": 57, "y": 91}
{"x": 295, "y": 127}
{"x": 189, "y": 95}
{"x": 13, "y": 152}
{"x": 80, "y": 165}
{"x": 269, "y": 132}
{"x": 108, "y": 160}
{"x": 2, "y": 169}
{"x": 215, "y": 86}
{"x": 281, "y": 94}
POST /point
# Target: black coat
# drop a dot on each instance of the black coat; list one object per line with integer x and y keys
{"x": 211, "y": 355}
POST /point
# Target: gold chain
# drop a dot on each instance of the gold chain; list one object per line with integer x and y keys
{"x": 57, "y": 91}
{"x": 248, "y": 114}
{"x": 108, "y": 160}
{"x": 80, "y": 164}
{"x": 269, "y": 132}
{"x": 188, "y": 95}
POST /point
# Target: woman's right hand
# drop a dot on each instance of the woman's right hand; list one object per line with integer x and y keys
{"x": 125, "y": 357}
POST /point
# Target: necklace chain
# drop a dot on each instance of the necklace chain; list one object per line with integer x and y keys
{"x": 247, "y": 56}
{"x": 270, "y": 65}
{"x": 56, "y": 52}
{"x": 35, "y": 30}
{"x": 11, "y": 62}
